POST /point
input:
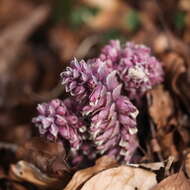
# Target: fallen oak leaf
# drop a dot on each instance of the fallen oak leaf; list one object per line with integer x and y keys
{"x": 80, "y": 177}
{"x": 174, "y": 182}
{"x": 121, "y": 178}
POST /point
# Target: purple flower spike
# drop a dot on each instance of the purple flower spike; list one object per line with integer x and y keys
{"x": 113, "y": 120}
{"x": 78, "y": 79}
{"x": 56, "y": 121}
{"x": 112, "y": 127}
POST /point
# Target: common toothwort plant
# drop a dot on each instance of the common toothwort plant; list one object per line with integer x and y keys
{"x": 105, "y": 121}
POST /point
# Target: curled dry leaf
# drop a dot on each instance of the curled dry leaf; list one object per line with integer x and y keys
{"x": 82, "y": 176}
{"x": 121, "y": 178}
{"x": 177, "y": 69}
{"x": 174, "y": 66}
{"x": 174, "y": 182}
{"x": 24, "y": 171}
{"x": 162, "y": 106}
{"x": 48, "y": 156}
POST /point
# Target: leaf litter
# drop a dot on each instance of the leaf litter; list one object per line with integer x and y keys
{"x": 36, "y": 47}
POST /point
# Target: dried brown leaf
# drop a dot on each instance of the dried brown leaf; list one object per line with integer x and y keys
{"x": 121, "y": 178}
{"x": 65, "y": 41}
{"x": 82, "y": 176}
{"x": 168, "y": 145}
{"x": 174, "y": 182}
{"x": 13, "y": 36}
{"x": 174, "y": 66}
{"x": 12, "y": 42}
{"x": 24, "y": 171}
{"x": 12, "y": 10}
{"x": 162, "y": 106}
{"x": 49, "y": 157}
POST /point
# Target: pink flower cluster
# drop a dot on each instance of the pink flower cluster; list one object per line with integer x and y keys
{"x": 137, "y": 68}
{"x": 113, "y": 120}
{"x": 56, "y": 120}
{"x": 78, "y": 79}
{"x": 105, "y": 121}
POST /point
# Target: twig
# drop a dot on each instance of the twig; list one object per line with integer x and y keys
{"x": 57, "y": 91}
{"x": 10, "y": 146}
{"x": 86, "y": 45}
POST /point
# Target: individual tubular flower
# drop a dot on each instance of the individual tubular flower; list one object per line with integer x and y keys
{"x": 78, "y": 79}
{"x": 56, "y": 121}
{"x": 113, "y": 120}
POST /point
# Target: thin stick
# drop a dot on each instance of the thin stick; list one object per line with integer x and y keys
{"x": 10, "y": 146}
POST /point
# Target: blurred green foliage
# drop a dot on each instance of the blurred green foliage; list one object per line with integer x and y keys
{"x": 62, "y": 10}
{"x": 112, "y": 34}
{"x": 72, "y": 13}
{"x": 81, "y": 14}
{"x": 179, "y": 20}
{"x": 131, "y": 20}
